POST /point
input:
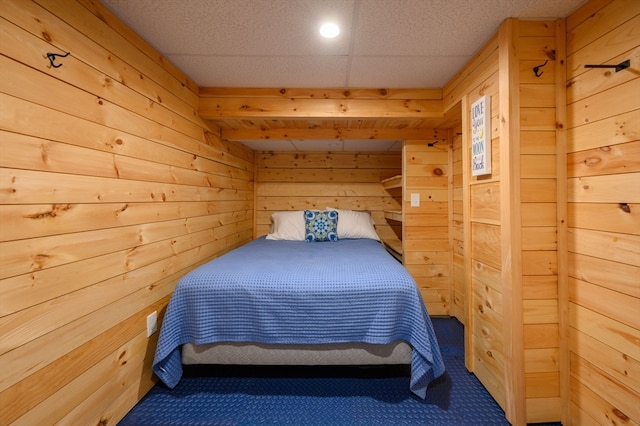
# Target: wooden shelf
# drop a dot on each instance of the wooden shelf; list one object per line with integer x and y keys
{"x": 393, "y": 215}
{"x": 394, "y": 247}
{"x": 393, "y": 186}
{"x": 392, "y": 182}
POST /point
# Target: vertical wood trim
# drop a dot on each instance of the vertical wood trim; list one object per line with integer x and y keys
{"x": 255, "y": 195}
{"x": 562, "y": 231}
{"x": 466, "y": 229}
{"x": 450, "y": 219}
{"x": 510, "y": 209}
{"x": 405, "y": 196}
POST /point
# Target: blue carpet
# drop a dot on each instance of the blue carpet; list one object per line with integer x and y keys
{"x": 324, "y": 396}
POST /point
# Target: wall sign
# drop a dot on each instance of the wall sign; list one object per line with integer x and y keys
{"x": 481, "y": 136}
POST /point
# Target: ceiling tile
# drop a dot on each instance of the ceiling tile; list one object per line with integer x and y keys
{"x": 418, "y": 27}
{"x": 319, "y": 145}
{"x": 270, "y": 145}
{"x": 205, "y": 38}
{"x": 237, "y": 27}
{"x": 388, "y": 44}
{"x": 404, "y": 72}
{"x": 372, "y": 145}
{"x": 264, "y": 71}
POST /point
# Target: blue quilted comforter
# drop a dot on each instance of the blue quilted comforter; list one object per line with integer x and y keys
{"x": 295, "y": 292}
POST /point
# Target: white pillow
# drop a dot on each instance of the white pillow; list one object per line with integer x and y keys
{"x": 355, "y": 224}
{"x": 287, "y": 226}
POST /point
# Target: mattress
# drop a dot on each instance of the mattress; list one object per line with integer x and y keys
{"x": 300, "y": 293}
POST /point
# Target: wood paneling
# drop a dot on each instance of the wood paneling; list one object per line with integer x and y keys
{"x": 603, "y": 225}
{"x": 459, "y": 285}
{"x": 426, "y": 231}
{"x": 509, "y": 246}
{"x": 106, "y": 166}
{"x": 514, "y": 119}
{"x": 542, "y": 110}
{"x": 112, "y": 189}
{"x": 316, "y": 180}
{"x": 476, "y": 239}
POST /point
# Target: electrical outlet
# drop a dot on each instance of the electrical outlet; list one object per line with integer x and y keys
{"x": 152, "y": 323}
{"x": 415, "y": 200}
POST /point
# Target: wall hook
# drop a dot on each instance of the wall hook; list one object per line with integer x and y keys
{"x": 536, "y": 70}
{"x": 618, "y": 67}
{"x": 52, "y": 58}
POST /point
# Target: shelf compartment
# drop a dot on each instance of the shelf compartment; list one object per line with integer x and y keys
{"x": 393, "y": 215}
{"x": 394, "y": 247}
{"x": 392, "y": 182}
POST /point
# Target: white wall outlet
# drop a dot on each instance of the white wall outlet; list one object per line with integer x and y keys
{"x": 415, "y": 200}
{"x": 152, "y": 323}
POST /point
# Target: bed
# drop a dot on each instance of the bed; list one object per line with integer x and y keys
{"x": 290, "y": 301}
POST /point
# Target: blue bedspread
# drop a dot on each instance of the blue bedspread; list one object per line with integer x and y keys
{"x": 295, "y": 292}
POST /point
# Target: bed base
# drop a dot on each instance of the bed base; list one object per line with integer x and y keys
{"x": 395, "y": 353}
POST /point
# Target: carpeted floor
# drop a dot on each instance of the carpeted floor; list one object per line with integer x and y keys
{"x": 324, "y": 396}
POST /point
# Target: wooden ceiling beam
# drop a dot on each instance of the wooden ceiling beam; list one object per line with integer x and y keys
{"x": 324, "y": 134}
{"x": 297, "y": 93}
{"x": 304, "y": 108}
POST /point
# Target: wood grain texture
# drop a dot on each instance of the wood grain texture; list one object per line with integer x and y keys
{"x": 107, "y": 166}
{"x": 112, "y": 187}
{"x": 298, "y": 181}
{"x": 426, "y": 227}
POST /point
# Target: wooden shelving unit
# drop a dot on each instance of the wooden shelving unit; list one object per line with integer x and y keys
{"x": 393, "y": 215}
{"x": 394, "y": 247}
{"x": 393, "y": 182}
{"x": 393, "y": 185}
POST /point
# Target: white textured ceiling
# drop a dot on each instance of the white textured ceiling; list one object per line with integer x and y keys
{"x": 275, "y": 43}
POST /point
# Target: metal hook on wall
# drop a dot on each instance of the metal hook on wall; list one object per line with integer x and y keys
{"x": 52, "y": 58}
{"x": 536, "y": 70}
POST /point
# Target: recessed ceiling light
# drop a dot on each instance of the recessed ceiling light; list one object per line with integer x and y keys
{"x": 329, "y": 30}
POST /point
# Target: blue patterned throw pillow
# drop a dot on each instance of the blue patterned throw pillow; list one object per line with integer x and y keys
{"x": 320, "y": 225}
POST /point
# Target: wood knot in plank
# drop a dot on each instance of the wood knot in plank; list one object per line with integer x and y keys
{"x": 620, "y": 414}
{"x": 122, "y": 209}
{"x": 50, "y": 214}
{"x": 551, "y": 53}
{"x": 39, "y": 261}
{"x": 592, "y": 161}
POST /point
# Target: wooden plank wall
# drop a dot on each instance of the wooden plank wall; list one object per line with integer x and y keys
{"x": 481, "y": 233}
{"x": 508, "y": 252}
{"x": 537, "y": 44}
{"x": 603, "y": 167}
{"x": 111, "y": 188}
{"x": 316, "y": 180}
{"x": 458, "y": 278}
{"x": 485, "y": 241}
{"x": 426, "y": 233}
